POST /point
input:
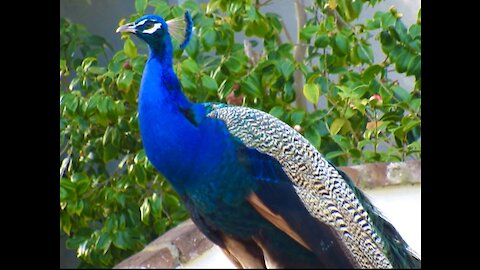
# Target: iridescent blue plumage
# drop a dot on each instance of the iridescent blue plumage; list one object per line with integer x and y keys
{"x": 244, "y": 179}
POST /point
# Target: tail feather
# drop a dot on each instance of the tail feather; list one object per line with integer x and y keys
{"x": 396, "y": 249}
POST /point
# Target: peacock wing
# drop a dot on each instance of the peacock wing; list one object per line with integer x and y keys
{"x": 331, "y": 207}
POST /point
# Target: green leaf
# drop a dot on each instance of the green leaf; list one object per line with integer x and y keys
{"x": 415, "y": 30}
{"x": 160, "y": 225}
{"x": 79, "y": 207}
{"x": 119, "y": 108}
{"x": 297, "y": 116}
{"x": 285, "y": 50}
{"x": 401, "y": 31}
{"x": 396, "y": 53}
{"x": 97, "y": 70}
{"x": 330, "y": 23}
{"x": 208, "y": 38}
{"x": 338, "y": 70}
{"x": 129, "y": 48}
{"x": 286, "y": 68}
{"x": 251, "y": 86}
{"x": 308, "y": 31}
{"x": 120, "y": 239}
{"x": 63, "y": 65}
{"x": 401, "y": 93}
{"x": 387, "y": 20}
{"x": 337, "y": 125}
{"x": 72, "y": 207}
{"x": 401, "y": 63}
{"x": 138, "y": 64}
{"x": 191, "y": 5}
{"x": 82, "y": 185}
{"x": 70, "y": 102}
{"x": 409, "y": 123}
{"x": 373, "y": 24}
{"x": 277, "y": 111}
{"x": 156, "y": 206}
{"x": 140, "y": 157}
{"x": 190, "y": 66}
{"x": 102, "y": 105}
{"x": 171, "y": 203}
{"x": 177, "y": 11}
{"x": 364, "y": 53}
{"x": 414, "y": 66}
{"x": 313, "y": 136}
{"x": 104, "y": 242}
{"x": 160, "y": 7}
{"x": 341, "y": 45}
{"x": 415, "y": 104}
{"x": 322, "y": 41}
{"x": 107, "y": 135}
{"x": 187, "y": 82}
{"x": 355, "y": 153}
{"x": 110, "y": 152}
{"x": 372, "y": 71}
{"x": 140, "y": 176}
{"x": 63, "y": 194}
{"x": 259, "y": 28}
{"x": 145, "y": 211}
{"x": 234, "y": 64}
{"x": 334, "y": 154}
{"x": 350, "y": 9}
{"x": 312, "y": 92}
{"x": 65, "y": 223}
{"x": 342, "y": 141}
{"x": 288, "y": 93}
{"x": 210, "y": 84}
{"x": 69, "y": 187}
{"x": 140, "y": 6}
{"x": 388, "y": 43}
{"x": 344, "y": 89}
{"x": 120, "y": 199}
{"x": 124, "y": 80}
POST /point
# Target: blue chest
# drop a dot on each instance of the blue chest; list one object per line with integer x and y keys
{"x": 191, "y": 156}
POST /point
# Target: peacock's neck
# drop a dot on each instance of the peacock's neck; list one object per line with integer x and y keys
{"x": 166, "y": 133}
{"x": 159, "y": 81}
{"x": 178, "y": 140}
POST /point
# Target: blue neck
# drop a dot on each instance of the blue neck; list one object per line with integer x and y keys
{"x": 161, "y": 78}
{"x": 166, "y": 133}
{"x": 187, "y": 147}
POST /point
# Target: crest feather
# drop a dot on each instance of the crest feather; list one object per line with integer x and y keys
{"x": 180, "y": 29}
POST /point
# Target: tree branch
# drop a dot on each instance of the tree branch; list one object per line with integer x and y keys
{"x": 258, "y": 4}
{"x": 299, "y": 54}
{"x": 338, "y": 19}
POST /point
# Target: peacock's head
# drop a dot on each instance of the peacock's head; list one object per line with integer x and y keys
{"x": 156, "y": 32}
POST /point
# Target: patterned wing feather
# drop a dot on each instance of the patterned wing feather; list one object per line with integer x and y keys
{"x": 322, "y": 189}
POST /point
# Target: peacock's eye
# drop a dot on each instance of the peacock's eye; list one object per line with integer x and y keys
{"x": 149, "y": 24}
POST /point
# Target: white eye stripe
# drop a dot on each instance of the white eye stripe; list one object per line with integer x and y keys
{"x": 153, "y": 29}
{"x": 141, "y": 22}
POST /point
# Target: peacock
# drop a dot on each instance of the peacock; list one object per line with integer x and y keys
{"x": 252, "y": 184}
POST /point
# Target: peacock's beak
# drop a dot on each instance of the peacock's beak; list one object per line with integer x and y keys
{"x": 129, "y": 27}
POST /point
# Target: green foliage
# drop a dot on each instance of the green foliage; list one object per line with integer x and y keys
{"x": 112, "y": 200}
